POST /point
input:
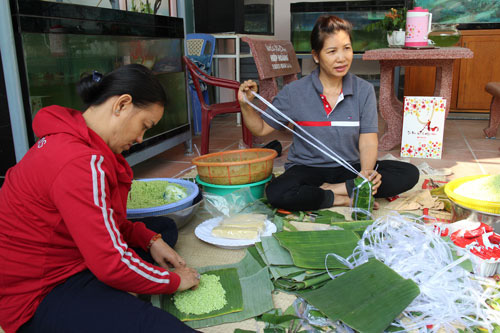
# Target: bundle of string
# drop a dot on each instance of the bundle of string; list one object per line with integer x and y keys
{"x": 323, "y": 149}
{"x": 449, "y": 297}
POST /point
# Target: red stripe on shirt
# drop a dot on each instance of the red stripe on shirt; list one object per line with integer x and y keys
{"x": 314, "y": 123}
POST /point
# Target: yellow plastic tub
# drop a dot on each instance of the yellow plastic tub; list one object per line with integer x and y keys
{"x": 490, "y": 207}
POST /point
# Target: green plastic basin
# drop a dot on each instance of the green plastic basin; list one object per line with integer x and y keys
{"x": 257, "y": 188}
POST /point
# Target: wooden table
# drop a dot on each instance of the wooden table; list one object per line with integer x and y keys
{"x": 390, "y": 107}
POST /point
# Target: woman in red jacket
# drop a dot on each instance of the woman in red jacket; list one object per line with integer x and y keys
{"x": 66, "y": 246}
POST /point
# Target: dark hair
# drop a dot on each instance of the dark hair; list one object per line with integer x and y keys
{"x": 134, "y": 79}
{"x": 326, "y": 25}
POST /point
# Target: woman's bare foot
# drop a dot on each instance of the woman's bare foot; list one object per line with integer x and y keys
{"x": 337, "y": 189}
{"x": 341, "y": 200}
{"x": 340, "y": 195}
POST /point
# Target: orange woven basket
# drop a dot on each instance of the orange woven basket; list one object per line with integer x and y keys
{"x": 236, "y": 167}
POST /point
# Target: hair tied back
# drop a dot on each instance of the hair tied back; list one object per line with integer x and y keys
{"x": 96, "y": 76}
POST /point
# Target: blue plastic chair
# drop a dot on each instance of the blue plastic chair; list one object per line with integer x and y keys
{"x": 200, "y": 50}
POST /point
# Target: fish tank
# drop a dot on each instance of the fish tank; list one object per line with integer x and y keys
{"x": 463, "y": 12}
{"x": 60, "y": 43}
{"x": 7, "y": 152}
{"x": 359, "y": 13}
{"x": 238, "y": 16}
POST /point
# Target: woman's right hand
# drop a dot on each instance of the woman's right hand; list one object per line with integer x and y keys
{"x": 246, "y": 89}
{"x": 189, "y": 278}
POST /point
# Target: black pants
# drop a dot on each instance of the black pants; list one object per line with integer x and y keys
{"x": 84, "y": 304}
{"x": 299, "y": 187}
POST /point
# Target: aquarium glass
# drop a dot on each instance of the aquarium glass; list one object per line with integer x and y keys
{"x": 258, "y": 16}
{"x": 462, "y": 11}
{"x": 362, "y": 40}
{"x": 56, "y": 61}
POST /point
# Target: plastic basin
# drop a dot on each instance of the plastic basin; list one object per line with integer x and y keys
{"x": 192, "y": 191}
{"x": 183, "y": 217}
{"x": 489, "y": 207}
{"x": 466, "y": 208}
{"x": 256, "y": 188}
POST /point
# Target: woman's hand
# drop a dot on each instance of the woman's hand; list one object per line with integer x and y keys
{"x": 246, "y": 89}
{"x": 189, "y": 278}
{"x": 165, "y": 256}
{"x": 374, "y": 177}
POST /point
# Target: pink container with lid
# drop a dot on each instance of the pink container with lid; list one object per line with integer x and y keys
{"x": 418, "y": 26}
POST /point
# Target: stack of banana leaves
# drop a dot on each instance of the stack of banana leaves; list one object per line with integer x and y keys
{"x": 367, "y": 298}
{"x": 247, "y": 288}
{"x": 296, "y": 259}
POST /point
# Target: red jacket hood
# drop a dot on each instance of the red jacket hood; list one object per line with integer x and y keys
{"x": 57, "y": 119}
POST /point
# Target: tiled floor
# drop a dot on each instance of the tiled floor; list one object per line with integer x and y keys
{"x": 466, "y": 151}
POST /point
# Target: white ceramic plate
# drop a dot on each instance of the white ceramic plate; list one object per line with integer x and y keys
{"x": 204, "y": 232}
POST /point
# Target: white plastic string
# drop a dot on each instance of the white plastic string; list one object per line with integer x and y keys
{"x": 450, "y": 296}
{"x": 334, "y": 156}
{"x": 342, "y": 260}
{"x": 180, "y": 173}
{"x": 196, "y": 148}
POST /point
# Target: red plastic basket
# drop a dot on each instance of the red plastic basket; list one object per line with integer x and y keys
{"x": 236, "y": 167}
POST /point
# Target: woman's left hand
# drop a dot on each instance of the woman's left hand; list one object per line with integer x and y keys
{"x": 374, "y": 177}
{"x": 165, "y": 256}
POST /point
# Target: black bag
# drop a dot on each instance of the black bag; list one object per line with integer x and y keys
{"x": 276, "y": 145}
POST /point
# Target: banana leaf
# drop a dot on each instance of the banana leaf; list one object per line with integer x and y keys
{"x": 275, "y": 253}
{"x": 256, "y": 290}
{"x": 257, "y": 299}
{"x": 305, "y": 275}
{"x": 260, "y": 251}
{"x": 285, "y": 285}
{"x": 289, "y": 226}
{"x": 362, "y": 199}
{"x": 309, "y": 248}
{"x": 353, "y": 225}
{"x": 253, "y": 253}
{"x": 312, "y": 281}
{"x": 282, "y": 271}
{"x": 327, "y": 216}
{"x": 367, "y": 298}
{"x": 230, "y": 281}
{"x": 278, "y": 222}
{"x": 289, "y": 286}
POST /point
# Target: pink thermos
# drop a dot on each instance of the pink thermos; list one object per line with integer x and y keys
{"x": 418, "y": 25}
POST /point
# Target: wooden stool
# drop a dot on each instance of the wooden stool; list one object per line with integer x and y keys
{"x": 494, "y": 89}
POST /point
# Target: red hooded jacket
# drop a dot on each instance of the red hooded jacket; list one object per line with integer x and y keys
{"x": 63, "y": 210}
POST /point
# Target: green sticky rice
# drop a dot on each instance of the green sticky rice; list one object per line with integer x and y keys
{"x": 145, "y": 194}
{"x": 485, "y": 189}
{"x": 209, "y": 296}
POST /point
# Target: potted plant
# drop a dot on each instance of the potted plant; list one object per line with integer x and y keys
{"x": 394, "y": 24}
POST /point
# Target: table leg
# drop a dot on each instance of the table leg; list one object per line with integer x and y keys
{"x": 491, "y": 130}
{"x": 444, "y": 79}
{"x": 390, "y": 108}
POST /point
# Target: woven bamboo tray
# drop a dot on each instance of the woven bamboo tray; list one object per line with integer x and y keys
{"x": 236, "y": 167}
